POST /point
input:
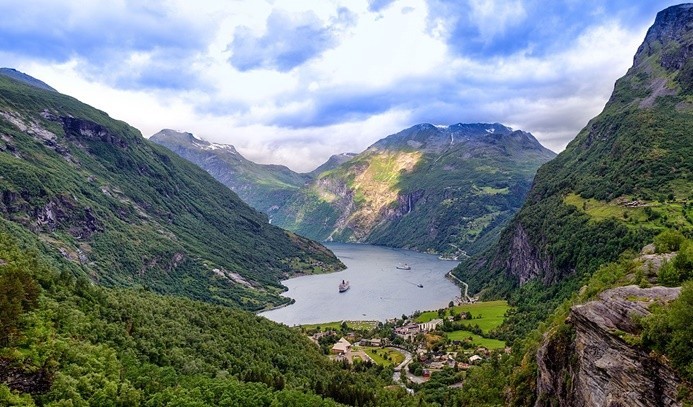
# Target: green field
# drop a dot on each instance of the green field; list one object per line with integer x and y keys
{"x": 491, "y": 313}
{"x": 476, "y": 339}
{"x": 648, "y": 214}
{"x": 337, "y": 325}
{"x": 379, "y": 354}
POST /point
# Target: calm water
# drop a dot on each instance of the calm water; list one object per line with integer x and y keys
{"x": 378, "y": 290}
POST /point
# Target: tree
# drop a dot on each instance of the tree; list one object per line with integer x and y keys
{"x": 18, "y": 294}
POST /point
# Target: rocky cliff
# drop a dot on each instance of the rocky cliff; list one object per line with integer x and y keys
{"x": 594, "y": 365}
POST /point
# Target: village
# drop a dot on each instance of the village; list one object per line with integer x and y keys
{"x": 452, "y": 339}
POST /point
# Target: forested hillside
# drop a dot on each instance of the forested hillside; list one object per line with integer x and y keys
{"x": 127, "y": 212}
{"x": 65, "y": 341}
{"x": 627, "y": 176}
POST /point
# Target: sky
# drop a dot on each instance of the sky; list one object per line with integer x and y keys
{"x": 294, "y": 81}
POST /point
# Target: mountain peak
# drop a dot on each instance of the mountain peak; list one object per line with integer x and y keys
{"x": 170, "y": 137}
{"x": 489, "y": 128}
{"x": 175, "y": 135}
{"x": 673, "y": 24}
{"x": 24, "y": 78}
{"x": 429, "y": 137}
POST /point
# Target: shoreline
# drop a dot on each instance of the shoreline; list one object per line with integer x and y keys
{"x": 323, "y": 307}
{"x": 275, "y": 307}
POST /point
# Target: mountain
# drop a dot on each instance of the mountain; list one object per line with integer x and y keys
{"x": 22, "y": 77}
{"x": 332, "y": 163}
{"x": 261, "y": 186}
{"x": 127, "y": 212}
{"x": 625, "y": 177}
{"x": 430, "y": 188}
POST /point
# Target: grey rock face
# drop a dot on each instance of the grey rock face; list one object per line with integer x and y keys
{"x": 673, "y": 24}
{"x": 526, "y": 262}
{"x": 597, "y": 367}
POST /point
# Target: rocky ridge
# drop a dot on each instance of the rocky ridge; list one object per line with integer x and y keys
{"x": 596, "y": 366}
{"x": 263, "y": 187}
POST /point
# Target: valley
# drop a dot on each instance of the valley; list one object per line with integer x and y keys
{"x": 406, "y": 190}
{"x": 441, "y": 266}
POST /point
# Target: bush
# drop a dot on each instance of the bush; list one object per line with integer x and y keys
{"x": 668, "y": 241}
{"x": 684, "y": 260}
{"x": 668, "y": 275}
{"x": 668, "y": 330}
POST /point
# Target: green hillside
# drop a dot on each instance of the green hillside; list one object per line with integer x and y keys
{"x": 66, "y": 342}
{"x": 627, "y": 176}
{"x": 439, "y": 189}
{"x": 263, "y": 187}
{"x": 126, "y": 212}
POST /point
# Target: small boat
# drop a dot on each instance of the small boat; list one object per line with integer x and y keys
{"x": 403, "y": 266}
{"x": 343, "y": 286}
{"x": 420, "y": 285}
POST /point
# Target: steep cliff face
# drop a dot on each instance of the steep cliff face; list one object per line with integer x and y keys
{"x": 444, "y": 189}
{"x": 593, "y": 365}
{"x": 626, "y": 175}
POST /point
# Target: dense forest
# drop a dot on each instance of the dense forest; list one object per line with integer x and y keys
{"x": 65, "y": 341}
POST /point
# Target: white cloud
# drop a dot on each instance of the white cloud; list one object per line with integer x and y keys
{"x": 493, "y": 17}
{"x": 388, "y": 66}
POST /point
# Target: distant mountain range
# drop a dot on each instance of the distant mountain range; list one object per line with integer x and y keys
{"x": 127, "y": 212}
{"x": 431, "y": 188}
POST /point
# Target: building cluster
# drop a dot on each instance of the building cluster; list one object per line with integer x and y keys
{"x": 426, "y": 347}
{"x": 411, "y": 329}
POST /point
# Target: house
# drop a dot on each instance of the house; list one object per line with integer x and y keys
{"x": 437, "y": 365}
{"x": 408, "y": 331}
{"x": 316, "y": 336}
{"x": 430, "y": 325}
{"x": 475, "y": 359}
{"x": 341, "y": 347}
{"x": 377, "y": 342}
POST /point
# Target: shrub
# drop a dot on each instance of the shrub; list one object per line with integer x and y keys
{"x": 668, "y": 241}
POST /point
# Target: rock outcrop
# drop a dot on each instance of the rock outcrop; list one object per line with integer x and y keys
{"x": 594, "y": 365}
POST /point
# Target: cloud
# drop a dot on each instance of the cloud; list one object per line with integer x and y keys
{"x": 127, "y": 44}
{"x": 493, "y": 28}
{"x": 377, "y": 5}
{"x": 289, "y": 40}
{"x": 294, "y": 82}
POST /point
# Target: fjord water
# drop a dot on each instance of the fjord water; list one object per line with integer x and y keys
{"x": 378, "y": 289}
